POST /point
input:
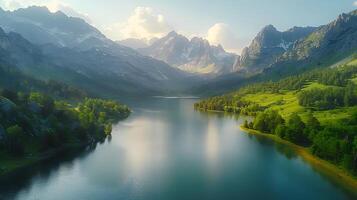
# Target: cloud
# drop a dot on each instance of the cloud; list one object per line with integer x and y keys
{"x": 53, "y": 6}
{"x": 11, "y": 4}
{"x": 143, "y": 23}
{"x": 220, "y": 33}
{"x": 355, "y": 3}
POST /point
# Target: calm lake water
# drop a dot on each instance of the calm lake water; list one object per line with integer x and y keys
{"x": 167, "y": 151}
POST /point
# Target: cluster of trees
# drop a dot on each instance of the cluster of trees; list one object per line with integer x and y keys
{"x": 232, "y": 104}
{"x": 100, "y": 113}
{"x": 336, "y": 76}
{"x": 336, "y": 142}
{"x": 215, "y": 103}
{"x": 329, "y": 98}
{"x": 294, "y": 129}
{"x": 34, "y": 122}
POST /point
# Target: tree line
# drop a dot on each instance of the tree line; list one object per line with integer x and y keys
{"x": 329, "y": 98}
{"x": 336, "y": 142}
{"x": 35, "y": 122}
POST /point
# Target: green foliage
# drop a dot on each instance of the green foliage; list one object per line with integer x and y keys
{"x": 267, "y": 121}
{"x": 108, "y": 129}
{"x": 295, "y": 131}
{"x": 45, "y": 102}
{"x": 13, "y": 141}
{"x": 312, "y": 122}
{"x": 280, "y": 130}
{"x": 38, "y": 122}
{"x": 319, "y": 108}
{"x": 329, "y": 98}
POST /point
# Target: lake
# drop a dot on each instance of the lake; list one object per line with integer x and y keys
{"x": 166, "y": 151}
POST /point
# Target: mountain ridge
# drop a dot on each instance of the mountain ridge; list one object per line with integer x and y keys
{"x": 112, "y": 65}
{"x": 267, "y": 46}
{"x": 195, "y": 55}
{"x": 324, "y": 47}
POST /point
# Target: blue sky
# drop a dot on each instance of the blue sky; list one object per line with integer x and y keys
{"x": 229, "y": 21}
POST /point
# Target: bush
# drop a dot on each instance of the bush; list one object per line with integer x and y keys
{"x": 13, "y": 142}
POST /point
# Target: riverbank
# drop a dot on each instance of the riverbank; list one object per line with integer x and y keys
{"x": 337, "y": 174}
{"x": 10, "y": 165}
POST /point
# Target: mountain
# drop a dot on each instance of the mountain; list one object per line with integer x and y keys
{"x": 55, "y": 46}
{"x": 40, "y": 26}
{"x": 91, "y": 70}
{"x": 298, "y": 47}
{"x": 195, "y": 55}
{"x": 267, "y": 46}
{"x": 323, "y": 47}
{"x": 133, "y": 43}
{"x": 328, "y": 44}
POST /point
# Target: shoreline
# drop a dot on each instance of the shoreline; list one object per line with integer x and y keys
{"x": 176, "y": 97}
{"x": 338, "y": 175}
{"x": 13, "y": 165}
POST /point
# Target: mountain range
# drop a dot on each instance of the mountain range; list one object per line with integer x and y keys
{"x": 273, "y": 55}
{"x": 195, "y": 55}
{"x": 327, "y": 44}
{"x": 54, "y": 46}
{"x": 267, "y": 46}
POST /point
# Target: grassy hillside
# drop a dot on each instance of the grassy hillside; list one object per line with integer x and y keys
{"x": 317, "y": 109}
{"x": 287, "y": 103}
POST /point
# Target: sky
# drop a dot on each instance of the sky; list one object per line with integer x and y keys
{"x": 231, "y": 23}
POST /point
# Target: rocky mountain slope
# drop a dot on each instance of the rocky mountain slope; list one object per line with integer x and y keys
{"x": 267, "y": 46}
{"x": 62, "y": 47}
{"x": 327, "y": 44}
{"x": 195, "y": 55}
{"x": 137, "y": 43}
{"x": 269, "y": 58}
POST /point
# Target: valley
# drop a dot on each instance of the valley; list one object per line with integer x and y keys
{"x": 85, "y": 116}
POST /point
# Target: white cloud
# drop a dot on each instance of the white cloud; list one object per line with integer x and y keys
{"x": 220, "y": 33}
{"x": 143, "y": 23}
{"x": 355, "y": 3}
{"x": 11, "y": 4}
{"x": 53, "y": 6}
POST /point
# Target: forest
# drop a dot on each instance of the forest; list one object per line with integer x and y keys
{"x": 34, "y": 122}
{"x": 39, "y": 116}
{"x": 308, "y": 110}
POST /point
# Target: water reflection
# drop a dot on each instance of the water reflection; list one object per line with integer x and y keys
{"x": 291, "y": 154}
{"x": 165, "y": 150}
{"x": 212, "y": 142}
{"x": 22, "y": 180}
{"x": 284, "y": 149}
